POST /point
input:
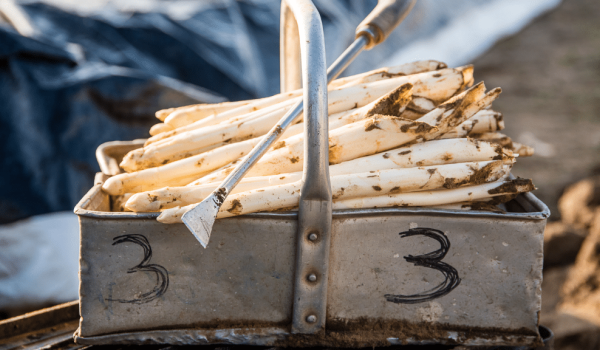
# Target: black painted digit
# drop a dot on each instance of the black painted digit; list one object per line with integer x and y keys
{"x": 431, "y": 260}
{"x": 162, "y": 275}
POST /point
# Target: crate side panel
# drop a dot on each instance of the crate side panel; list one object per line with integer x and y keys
{"x": 243, "y": 277}
{"x": 495, "y": 266}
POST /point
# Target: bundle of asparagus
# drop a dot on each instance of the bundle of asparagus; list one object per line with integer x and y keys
{"x": 418, "y": 134}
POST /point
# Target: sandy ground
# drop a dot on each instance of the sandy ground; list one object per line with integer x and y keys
{"x": 550, "y": 75}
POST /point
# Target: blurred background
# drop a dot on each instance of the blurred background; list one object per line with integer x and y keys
{"x": 75, "y": 74}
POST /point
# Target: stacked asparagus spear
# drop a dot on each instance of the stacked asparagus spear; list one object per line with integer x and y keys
{"x": 418, "y": 134}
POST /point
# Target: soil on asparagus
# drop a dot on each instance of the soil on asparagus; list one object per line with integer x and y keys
{"x": 550, "y": 78}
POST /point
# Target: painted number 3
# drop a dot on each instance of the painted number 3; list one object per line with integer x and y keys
{"x": 162, "y": 275}
{"x": 431, "y": 260}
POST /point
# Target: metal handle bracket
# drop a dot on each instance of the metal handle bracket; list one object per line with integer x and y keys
{"x": 302, "y": 37}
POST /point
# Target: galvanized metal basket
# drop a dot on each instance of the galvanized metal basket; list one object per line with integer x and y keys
{"x": 348, "y": 278}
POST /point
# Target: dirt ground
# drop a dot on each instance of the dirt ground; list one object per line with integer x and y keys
{"x": 550, "y": 77}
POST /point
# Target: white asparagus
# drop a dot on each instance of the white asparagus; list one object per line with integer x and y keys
{"x": 209, "y": 159}
{"x": 428, "y": 153}
{"x": 160, "y": 128}
{"x": 174, "y": 182}
{"x": 164, "y": 113}
{"x": 438, "y": 152}
{"x": 440, "y": 197}
{"x": 403, "y": 180}
{"x": 482, "y": 122}
{"x": 201, "y": 110}
{"x": 176, "y": 148}
{"x": 458, "y": 109}
{"x": 418, "y": 107}
{"x": 389, "y": 72}
{"x": 197, "y": 165}
{"x": 185, "y": 116}
{"x": 194, "y": 113}
{"x": 437, "y": 85}
{"x": 169, "y": 197}
{"x": 173, "y": 215}
{"x": 194, "y": 167}
{"x": 392, "y": 103}
{"x": 151, "y": 178}
{"x": 372, "y": 76}
{"x": 374, "y": 135}
{"x": 280, "y": 108}
{"x": 345, "y": 187}
{"x": 495, "y": 137}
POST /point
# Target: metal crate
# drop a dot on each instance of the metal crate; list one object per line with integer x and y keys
{"x": 350, "y": 278}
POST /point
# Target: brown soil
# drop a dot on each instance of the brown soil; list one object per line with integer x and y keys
{"x": 393, "y": 103}
{"x": 514, "y": 186}
{"x": 550, "y": 76}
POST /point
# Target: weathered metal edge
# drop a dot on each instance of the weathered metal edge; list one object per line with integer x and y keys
{"x": 271, "y": 337}
{"x": 103, "y": 152}
{"x": 528, "y": 198}
{"x": 250, "y": 336}
{"x": 39, "y": 319}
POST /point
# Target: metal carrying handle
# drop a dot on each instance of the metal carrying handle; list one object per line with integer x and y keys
{"x": 302, "y": 37}
{"x": 302, "y": 40}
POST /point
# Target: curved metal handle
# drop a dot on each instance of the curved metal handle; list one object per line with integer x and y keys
{"x": 290, "y": 68}
{"x": 301, "y": 24}
{"x": 302, "y": 35}
{"x": 383, "y": 19}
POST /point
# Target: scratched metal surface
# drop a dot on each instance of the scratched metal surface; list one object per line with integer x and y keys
{"x": 490, "y": 276}
{"x": 213, "y": 298}
{"x": 140, "y": 274}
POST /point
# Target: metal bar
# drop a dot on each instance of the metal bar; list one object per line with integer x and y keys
{"x": 347, "y": 57}
{"x": 314, "y": 217}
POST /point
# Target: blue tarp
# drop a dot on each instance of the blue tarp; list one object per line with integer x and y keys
{"x": 80, "y": 81}
{"x": 84, "y": 78}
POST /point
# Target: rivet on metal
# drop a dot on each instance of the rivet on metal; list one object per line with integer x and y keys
{"x": 312, "y": 277}
{"x": 313, "y": 236}
{"x": 311, "y": 319}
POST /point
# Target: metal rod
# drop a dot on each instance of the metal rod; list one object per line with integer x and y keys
{"x": 273, "y": 135}
{"x": 201, "y": 218}
{"x": 347, "y": 57}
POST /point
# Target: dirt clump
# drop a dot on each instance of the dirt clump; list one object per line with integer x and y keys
{"x": 581, "y": 291}
{"x": 561, "y": 243}
{"x": 514, "y": 186}
{"x": 393, "y": 104}
{"x": 579, "y": 202}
